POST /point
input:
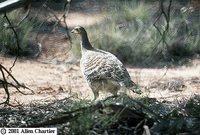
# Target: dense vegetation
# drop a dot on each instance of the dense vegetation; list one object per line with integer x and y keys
{"x": 130, "y": 34}
{"x": 9, "y": 44}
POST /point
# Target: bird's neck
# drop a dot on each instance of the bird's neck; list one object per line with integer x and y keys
{"x": 85, "y": 44}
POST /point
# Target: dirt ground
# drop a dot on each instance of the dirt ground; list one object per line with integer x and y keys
{"x": 56, "y": 81}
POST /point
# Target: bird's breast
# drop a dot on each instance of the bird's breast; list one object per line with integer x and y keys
{"x": 92, "y": 65}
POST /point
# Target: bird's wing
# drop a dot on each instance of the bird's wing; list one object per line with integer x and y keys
{"x": 104, "y": 65}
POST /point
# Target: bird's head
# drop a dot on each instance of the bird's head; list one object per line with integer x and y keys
{"x": 78, "y": 30}
{"x": 85, "y": 44}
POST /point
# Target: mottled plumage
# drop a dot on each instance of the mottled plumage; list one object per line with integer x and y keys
{"x": 102, "y": 70}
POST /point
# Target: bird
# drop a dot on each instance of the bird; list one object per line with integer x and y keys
{"x": 102, "y": 70}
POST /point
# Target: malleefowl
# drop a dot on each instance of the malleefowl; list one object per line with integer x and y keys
{"x": 102, "y": 70}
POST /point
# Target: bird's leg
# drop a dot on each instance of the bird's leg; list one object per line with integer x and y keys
{"x": 96, "y": 94}
{"x": 113, "y": 87}
{"x": 114, "y": 92}
{"x": 136, "y": 90}
{"x": 96, "y": 86}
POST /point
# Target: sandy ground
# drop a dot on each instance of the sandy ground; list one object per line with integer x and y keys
{"x": 57, "y": 81}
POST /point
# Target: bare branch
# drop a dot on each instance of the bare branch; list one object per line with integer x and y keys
{"x": 67, "y": 8}
{"x": 167, "y": 19}
{"x": 16, "y": 37}
{"x": 64, "y": 16}
{"x": 6, "y": 84}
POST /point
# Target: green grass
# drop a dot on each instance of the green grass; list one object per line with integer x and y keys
{"x": 8, "y": 42}
{"x": 128, "y": 32}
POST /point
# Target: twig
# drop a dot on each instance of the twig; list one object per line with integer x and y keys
{"x": 67, "y": 8}
{"x": 17, "y": 40}
{"x": 5, "y": 86}
{"x": 168, "y": 14}
{"x": 146, "y": 130}
{"x": 52, "y": 12}
{"x": 163, "y": 74}
{"x": 138, "y": 126}
{"x": 54, "y": 121}
{"x": 15, "y": 80}
{"x": 149, "y": 110}
{"x": 71, "y": 115}
{"x": 161, "y": 79}
{"x": 167, "y": 18}
{"x": 66, "y": 11}
{"x": 26, "y": 14}
{"x": 67, "y": 116}
{"x": 4, "y": 71}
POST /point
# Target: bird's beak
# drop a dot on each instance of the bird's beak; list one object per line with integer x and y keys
{"x": 74, "y": 31}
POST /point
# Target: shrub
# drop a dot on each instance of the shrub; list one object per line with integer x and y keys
{"x": 8, "y": 41}
{"x": 128, "y": 32}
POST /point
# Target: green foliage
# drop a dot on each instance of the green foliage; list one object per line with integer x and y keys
{"x": 8, "y": 41}
{"x": 82, "y": 124}
{"x": 84, "y": 121}
{"x": 88, "y": 119}
{"x": 128, "y": 32}
{"x": 193, "y": 106}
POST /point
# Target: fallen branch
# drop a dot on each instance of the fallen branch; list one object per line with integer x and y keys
{"x": 119, "y": 112}
{"x": 67, "y": 116}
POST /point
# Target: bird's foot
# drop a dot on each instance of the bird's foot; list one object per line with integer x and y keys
{"x": 137, "y": 91}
